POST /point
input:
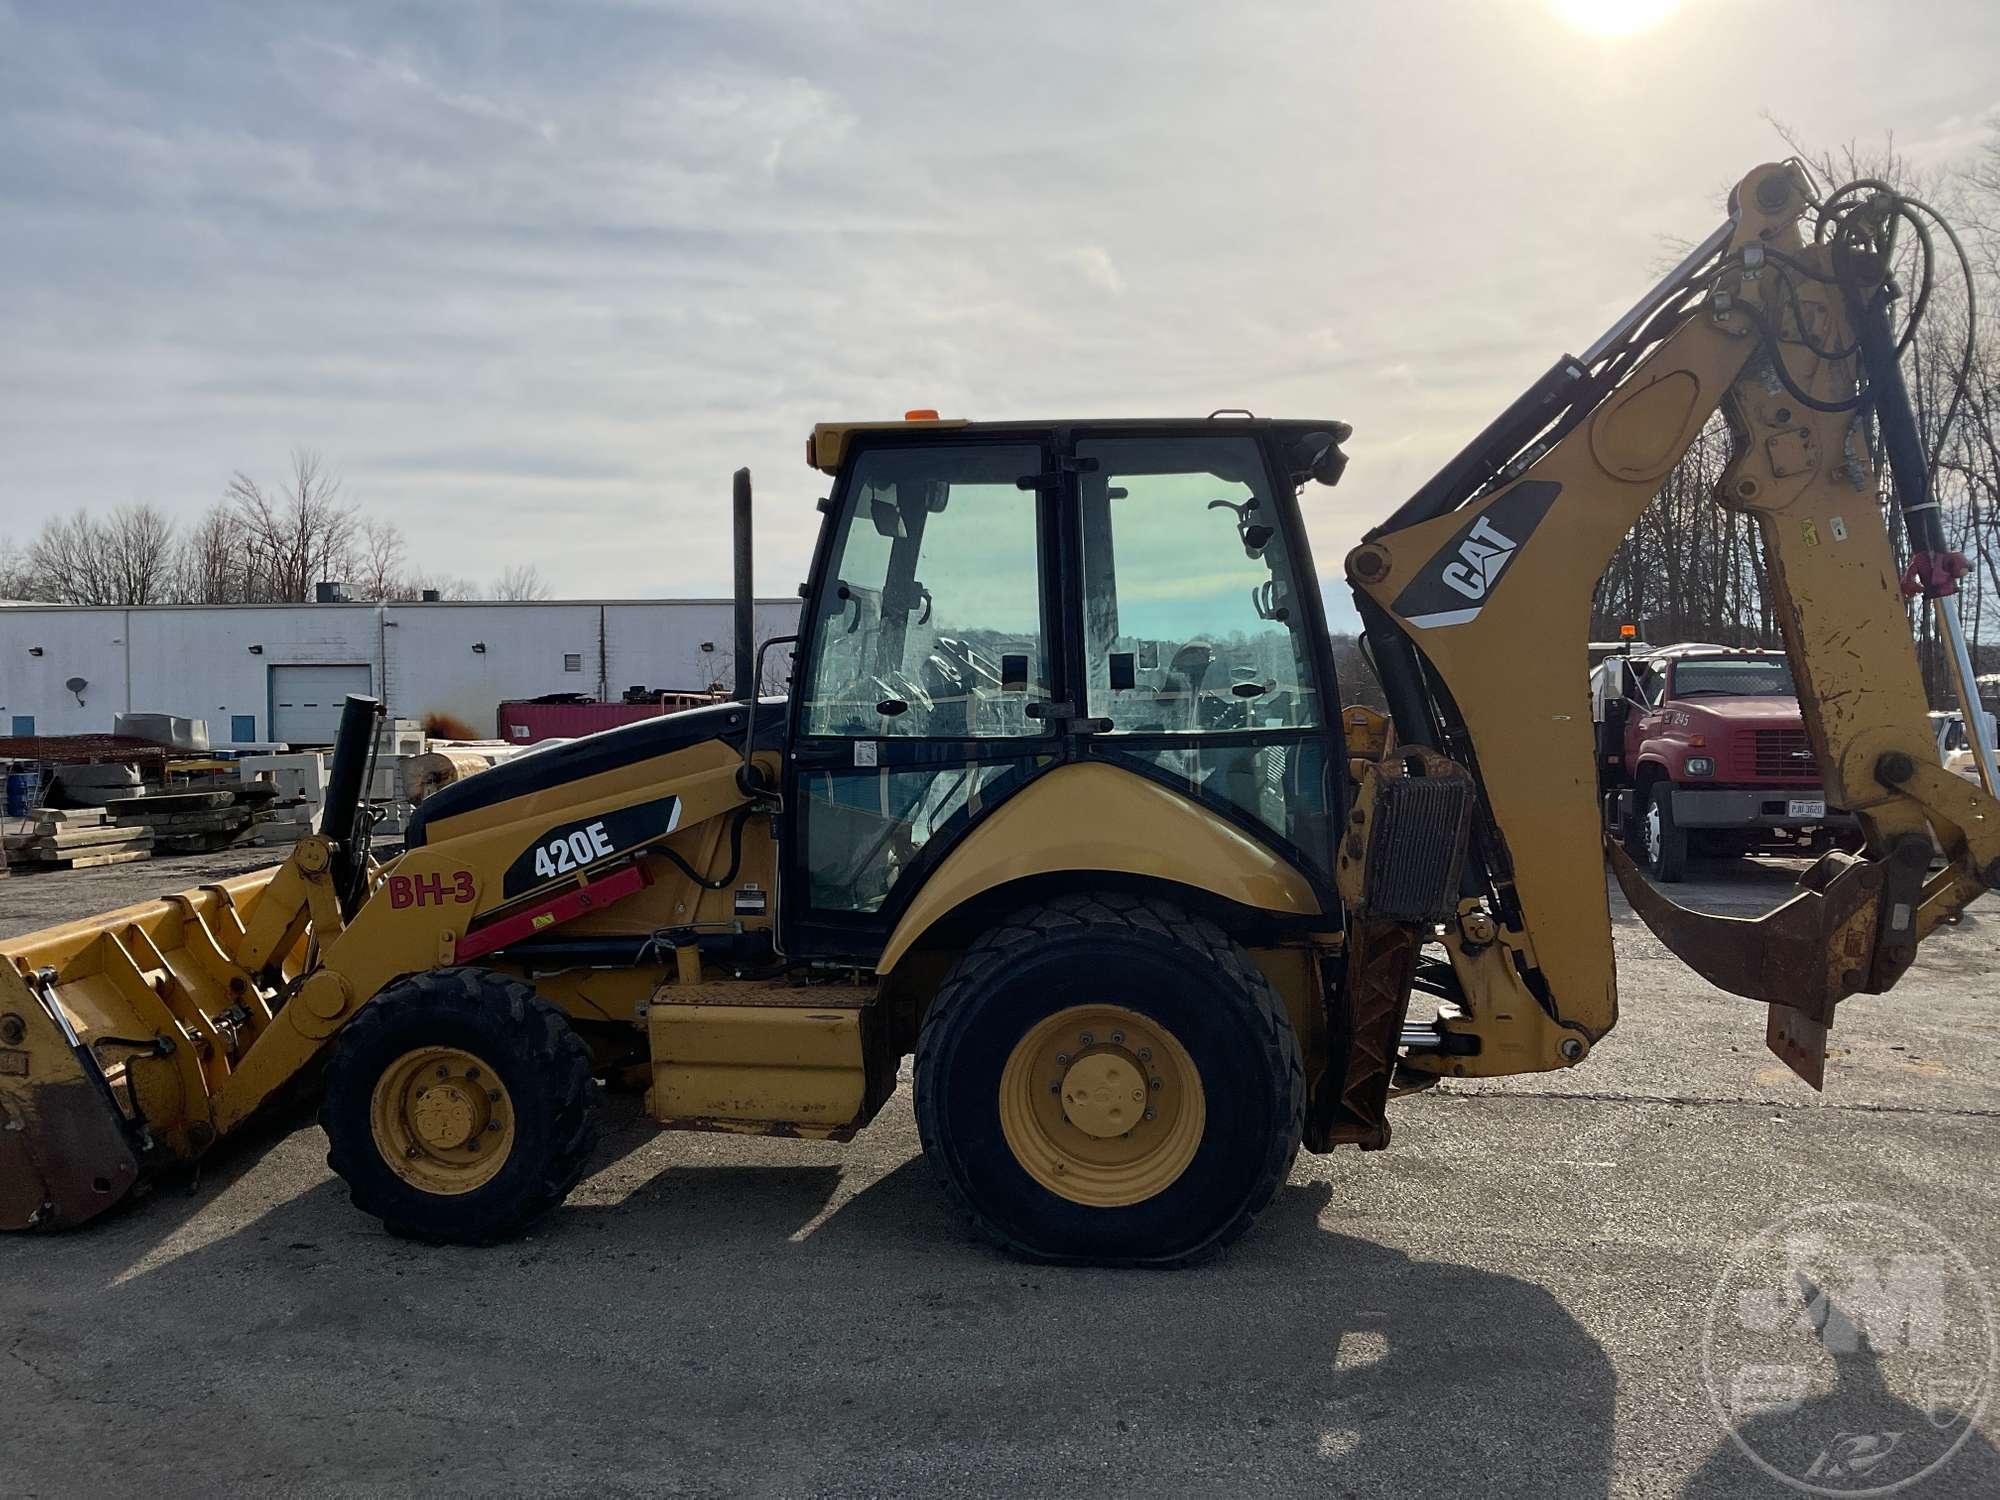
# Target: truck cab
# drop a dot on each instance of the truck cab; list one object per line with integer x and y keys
{"x": 1702, "y": 749}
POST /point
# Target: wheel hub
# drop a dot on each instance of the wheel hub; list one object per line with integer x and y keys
{"x": 442, "y": 1120}
{"x": 1104, "y": 1094}
{"x": 1102, "y": 1105}
{"x": 445, "y": 1116}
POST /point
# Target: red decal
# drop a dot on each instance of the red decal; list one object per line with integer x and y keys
{"x": 430, "y": 890}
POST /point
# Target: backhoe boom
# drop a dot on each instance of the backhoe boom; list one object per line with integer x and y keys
{"x": 1476, "y": 598}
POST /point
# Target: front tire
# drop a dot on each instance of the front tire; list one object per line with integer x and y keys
{"x": 459, "y": 1107}
{"x": 1663, "y": 841}
{"x": 1108, "y": 1079}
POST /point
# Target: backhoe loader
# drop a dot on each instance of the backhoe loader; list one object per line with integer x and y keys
{"x": 1064, "y": 801}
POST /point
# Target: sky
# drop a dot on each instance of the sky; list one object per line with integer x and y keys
{"x": 536, "y": 277}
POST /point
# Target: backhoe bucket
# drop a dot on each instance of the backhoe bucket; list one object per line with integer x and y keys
{"x": 1802, "y": 958}
{"x": 114, "y": 1033}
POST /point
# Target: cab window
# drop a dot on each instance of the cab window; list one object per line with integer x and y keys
{"x": 932, "y": 621}
{"x": 1191, "y": 610}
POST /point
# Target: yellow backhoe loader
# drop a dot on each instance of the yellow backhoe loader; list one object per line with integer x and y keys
{"x": 1064, "y": 802}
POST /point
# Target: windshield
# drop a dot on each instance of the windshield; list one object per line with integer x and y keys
{"x": 1736, "y": 677}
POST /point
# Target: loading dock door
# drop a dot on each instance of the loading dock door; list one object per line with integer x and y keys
{"x": 306, "y": 701}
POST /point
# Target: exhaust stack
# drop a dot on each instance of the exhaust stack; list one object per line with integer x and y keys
{"x": 746, "y": 604}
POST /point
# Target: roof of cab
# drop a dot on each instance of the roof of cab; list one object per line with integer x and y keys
{"x": 827, "y": 445}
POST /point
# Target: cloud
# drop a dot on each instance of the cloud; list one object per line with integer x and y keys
{"x": 1097, "y": 267}
{"x": 536, "y": 277}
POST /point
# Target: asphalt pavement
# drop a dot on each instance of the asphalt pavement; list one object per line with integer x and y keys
{"x": 1517, "y": 1298}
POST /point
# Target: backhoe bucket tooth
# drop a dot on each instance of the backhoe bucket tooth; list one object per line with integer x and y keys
{"x": 66, "y": 1152}
{"x": 1802, "y": 958}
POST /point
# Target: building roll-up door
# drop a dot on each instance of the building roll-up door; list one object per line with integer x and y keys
{"x": 306, "y": 701}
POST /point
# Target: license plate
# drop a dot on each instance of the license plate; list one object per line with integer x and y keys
{"x": 1806, "y": 807}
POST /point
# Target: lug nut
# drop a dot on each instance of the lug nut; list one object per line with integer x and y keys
{"x": 1088, "y": 1039}
{"x": 1149, "y": 1114}
{"x": 1063, "y": 1059}
{"x": 1055, "y": 1088}
{"x": 472, "y": 1072}
{"x": 413, "y": 1152}
{"x": 1145, "y": 1054}
{"x": 494, "y": 1126}
{"x": 1117, "y": 1038}
{"x": 444, "y": 1072}
{"x": 494, "y": 1095}
{"x": 1158, "y": 1083}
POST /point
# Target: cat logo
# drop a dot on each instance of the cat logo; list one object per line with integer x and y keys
{"x": 1458, "y": 580}
{"x": 1485, "y": 550}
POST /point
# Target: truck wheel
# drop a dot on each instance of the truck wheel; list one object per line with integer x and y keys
{"x": 459, "y": 1107}
{"x": 1107, "y": 1079}
{"x": 1664, "y": 842}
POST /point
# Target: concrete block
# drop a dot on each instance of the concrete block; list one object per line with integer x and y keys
{"x": 163, "y": 729}
{"x": 300, "y": 775}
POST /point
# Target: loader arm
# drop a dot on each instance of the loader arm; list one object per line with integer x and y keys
{"x": 1476, "y": 600}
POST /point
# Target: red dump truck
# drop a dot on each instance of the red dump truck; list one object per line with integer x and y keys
{"x": 1702, "y": 749}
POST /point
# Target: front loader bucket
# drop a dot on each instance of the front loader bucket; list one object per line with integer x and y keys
{"x": 114, "y": 1032}
{"x": 1801, "y": 958}
{"x": 67, "y": 1151}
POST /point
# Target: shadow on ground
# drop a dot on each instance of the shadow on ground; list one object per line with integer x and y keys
{"x": 756, "y": 1329}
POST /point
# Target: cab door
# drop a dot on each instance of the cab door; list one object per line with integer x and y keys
{"x": 929, "y": 650}
{"x": 1200, "y": 642}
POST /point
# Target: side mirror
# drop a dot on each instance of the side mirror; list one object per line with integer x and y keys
{"x": 887, "y": 518}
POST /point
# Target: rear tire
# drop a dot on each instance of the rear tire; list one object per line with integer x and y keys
{"x": 459, "y": 1107}
{"x": 1204, "y": 1048}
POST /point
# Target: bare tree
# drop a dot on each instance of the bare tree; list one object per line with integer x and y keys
{"x": 215, "y": 559}
{"x": 128, "y": 558}
{"x": 522, "y": 581}
{"x": 411, "y": 586}
{"x": 139, "y": 555}
{"x": 298, "y": 535}
{"x": 62, "y": 562}
{"x": 15, "y": 579}
{"x": 378, "y": 560}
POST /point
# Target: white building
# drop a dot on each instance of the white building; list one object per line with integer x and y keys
{"x": 268, "y": 674}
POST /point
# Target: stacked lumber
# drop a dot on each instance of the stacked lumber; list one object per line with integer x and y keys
{"x": 185, "y": 822}
{"x": 76, "y": 839}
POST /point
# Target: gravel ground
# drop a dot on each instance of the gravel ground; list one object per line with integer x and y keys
{"x": 1509, "y": 1301}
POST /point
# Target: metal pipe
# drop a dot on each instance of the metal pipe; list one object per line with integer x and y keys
{"x": 746, "y": 603}
{"x": 340, "y": 811}
{"x": 1668, "y": 285}
{"x": 1968, "y": 692}
{"x": 1908, "y": 463}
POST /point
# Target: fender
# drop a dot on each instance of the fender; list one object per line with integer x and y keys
{"x": 1095, "y": 816}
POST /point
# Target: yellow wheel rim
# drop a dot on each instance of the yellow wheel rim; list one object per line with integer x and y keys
{"x": 442, "y": 1120}
{"x": 1102, "y": 1106}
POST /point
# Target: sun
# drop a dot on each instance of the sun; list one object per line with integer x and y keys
{"x": 1614, "y": 17}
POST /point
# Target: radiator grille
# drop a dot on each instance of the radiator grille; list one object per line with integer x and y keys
{"x": 1783, "y": 753}
{"x": 1418, "y": 845}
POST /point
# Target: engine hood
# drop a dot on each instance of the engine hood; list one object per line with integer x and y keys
{"x": 1751, "y": 713}
{"x": 572, "y": 760}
